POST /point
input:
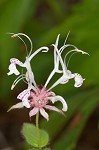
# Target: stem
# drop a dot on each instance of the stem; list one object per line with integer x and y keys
{"x": 37, "y": 129}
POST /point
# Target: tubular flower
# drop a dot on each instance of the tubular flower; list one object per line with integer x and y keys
{"x": 35, "y": 98}
{"x": 66, "y": 74}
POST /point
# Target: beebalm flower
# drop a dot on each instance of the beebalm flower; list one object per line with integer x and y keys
{"x": 35, "y": 98}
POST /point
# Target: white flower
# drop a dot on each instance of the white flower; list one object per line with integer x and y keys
{"x": 66, "y": 74}
{"x": 38, "y": 99}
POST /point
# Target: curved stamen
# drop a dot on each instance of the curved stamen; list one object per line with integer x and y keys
{"x": 74, "y": 50}
{"x": 15, "y": 83}
{"x": 24, "y": 44}
{"x": 65, "y": 46}
{"x": 66, "y": 64}
{"x": 66, "y": 38}
{"x": 18, "y": 78}
{"x": 17, "y": 35}
{"x": 69, "y": 57}
{"x": 61, "y": 50}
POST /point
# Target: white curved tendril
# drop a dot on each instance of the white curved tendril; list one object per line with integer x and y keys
{"x": 38, "y": 50}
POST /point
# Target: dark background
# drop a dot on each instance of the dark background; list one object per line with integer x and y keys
{"x": 42, "y": 21}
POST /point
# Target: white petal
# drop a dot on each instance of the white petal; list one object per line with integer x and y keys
{"x": 61, "y": 99}
{"x": 26, "y": 103}
{"x": 16, "y": 61}
{"x": 68, "y": 74}
{"x": 53, "y": 108}
{"x": 61, "y": 80}
{"x": 64, "y": 80}
{"x": 24, "y": 97}
{"x": 18, "y": 105}
{"x": 78, "y": 80}
{"x": 12, "y": 66}
{"x": 44, "y": 113}
{"x": 29, "y": 73}
{"x": 33, "y": 112}
{"x": 13, "y": 70}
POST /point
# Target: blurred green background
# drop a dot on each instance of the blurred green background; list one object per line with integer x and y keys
{"x": 42, "y": 21}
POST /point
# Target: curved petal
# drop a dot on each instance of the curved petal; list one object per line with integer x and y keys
{"x": 24, "y": 97}
{"x": 26, "y": 103}
{"x": 16, "y": 61}
{"x": 64, "y": 80}
{"x": 12, "y": 66}
{"x": 18, "y": 105}
{"x": 78, "y": 80}
{"x": 53, "y": 108}
{"x": 13, "y": 70}
{"x": 61, "y": 99}
{"x": 33, "y": 112}
{"x": 44, "y": 113}
{"x": 61, "y": 80}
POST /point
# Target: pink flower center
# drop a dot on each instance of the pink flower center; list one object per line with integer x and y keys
{"x": 39, "y": 98}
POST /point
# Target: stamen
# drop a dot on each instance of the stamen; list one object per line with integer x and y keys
{"x": 66, "y": 38}
{"x": 67, "y": 63}
{"x": 17, "y": 35}
{"x": 24, "y": 44}
{"x": 23, "y": 79}
{"x": 78, "y": 50}
{"x": 65, "y": 46}
{"x": 16, "y": 81}
{"x": 18, "y": 77}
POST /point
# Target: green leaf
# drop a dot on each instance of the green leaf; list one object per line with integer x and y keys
{"x": 30, "y": 134}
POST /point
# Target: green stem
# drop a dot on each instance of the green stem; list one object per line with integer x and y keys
{"x": 37, "y": 129}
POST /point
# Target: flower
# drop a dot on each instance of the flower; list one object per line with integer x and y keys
{"x": 38, "y": 99}
{"x": 66, "y": 74}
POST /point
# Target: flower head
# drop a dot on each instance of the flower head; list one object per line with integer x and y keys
{"x": 35, "y": 98}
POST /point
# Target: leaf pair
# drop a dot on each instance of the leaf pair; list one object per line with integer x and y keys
{"x": 30, "y": 133}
